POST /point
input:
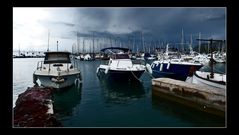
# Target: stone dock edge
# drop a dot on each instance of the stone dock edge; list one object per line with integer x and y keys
{"x": 207, "y": 99}
{"x": 34, "y": 108}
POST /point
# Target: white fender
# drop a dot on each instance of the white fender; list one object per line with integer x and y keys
{"x": 157, "y": 64}
{"x": 168, "y": 65}
{"x": 106, "y": 70}
{"x": 161, "y": 66}
{"x": 149, "y": 69}
{"x": 97, "y": 70}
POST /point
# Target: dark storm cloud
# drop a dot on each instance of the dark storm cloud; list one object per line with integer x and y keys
{"x": 164, "y": 24}
{"x": 167, "y": 23}
{"x": 94, "y": 18}
{"x": 156, "y": 24}
{"x": 124, "y": 23}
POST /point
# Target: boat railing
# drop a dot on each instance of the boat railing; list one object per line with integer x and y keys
{"x": 40, "y": 65}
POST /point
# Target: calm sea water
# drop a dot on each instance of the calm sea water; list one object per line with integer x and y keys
{"x": 98, "y": 103}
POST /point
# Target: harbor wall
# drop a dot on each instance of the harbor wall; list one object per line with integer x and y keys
{"x": 206, "y": 99}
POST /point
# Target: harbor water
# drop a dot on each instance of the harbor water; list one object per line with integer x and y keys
{"x": 99, "y": 103}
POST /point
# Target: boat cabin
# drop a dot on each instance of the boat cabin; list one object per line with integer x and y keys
{"x": 120, "y": 61}
{"x": 57, "y": 57}
{"x": 119, "y": 56}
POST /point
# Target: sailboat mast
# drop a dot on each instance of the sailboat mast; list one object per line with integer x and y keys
{"x": 129, "y": 42}
{"x": 182, "y": 42}
{"x": 142, "y": 40}
{"x": 72, "y": 48}
{"x": 149, "y": 47}
{"x": 211, "y": 60}
{"x": 93, "y": 46}
{"x": 134, "y": 43}
{"x": 57, "y": 46}
{"x": 83, "y": 46}
{"x": 77, "y": 42}
{"x": 208, "y": 48}
{"x": 191, "y": 44}
{"x": 199, "y": 42}
{"x": 110, "y": 41}
{"x": 19, "y": 53}
{"x": 48, "y": 40}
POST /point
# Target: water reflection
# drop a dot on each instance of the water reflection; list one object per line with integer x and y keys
{"x": 66, "y": 99}
{"x": 184, "y": 113}
{"x": 121, "y": 92}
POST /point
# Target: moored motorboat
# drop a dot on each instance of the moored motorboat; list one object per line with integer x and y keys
{"x": 120, "y": 67}
{"x": 174, "y": 68}
{"x": 56, "y": 71}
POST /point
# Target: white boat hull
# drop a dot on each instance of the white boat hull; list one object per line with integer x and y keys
{"x": 202, "y": 80}
{"x": 51, "y": 81}
{"x": 132, "y": 73}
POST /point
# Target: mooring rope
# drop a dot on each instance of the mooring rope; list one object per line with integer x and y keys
{"x": 135, "y": 76}
{"x": 150, "y": 74}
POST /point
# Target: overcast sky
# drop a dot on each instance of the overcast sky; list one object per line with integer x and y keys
{"x": 31, "y": 25}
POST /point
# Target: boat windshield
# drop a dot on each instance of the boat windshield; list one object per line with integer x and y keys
{"x": 120, "y": 56}
{"x": 57, "y": 58}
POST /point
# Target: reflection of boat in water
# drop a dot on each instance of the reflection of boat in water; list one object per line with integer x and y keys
{"x": 66, "y": 99}
{"x": 122, "y": 92}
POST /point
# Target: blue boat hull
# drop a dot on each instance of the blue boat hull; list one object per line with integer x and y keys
{"x": 175, "y": 71}
{"x": 115, "y": 75}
